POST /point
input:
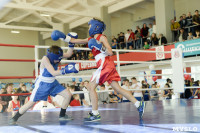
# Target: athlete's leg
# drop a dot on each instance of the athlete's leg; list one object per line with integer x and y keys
{"x": 115, "y": 85}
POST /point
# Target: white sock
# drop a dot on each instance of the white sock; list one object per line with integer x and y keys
{"x": 137, "y": 104}
{"x": 95, "y": 112}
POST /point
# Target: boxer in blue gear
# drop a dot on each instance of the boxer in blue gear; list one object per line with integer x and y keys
{"x": 46, "y": 84}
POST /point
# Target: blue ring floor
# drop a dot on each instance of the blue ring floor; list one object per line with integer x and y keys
{"x": 165, "y": 116}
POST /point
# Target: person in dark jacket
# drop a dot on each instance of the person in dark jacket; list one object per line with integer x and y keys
{"x": 154, "y": 40}
{"x": 162, "y": 39}
{"x": 182, "y": 36}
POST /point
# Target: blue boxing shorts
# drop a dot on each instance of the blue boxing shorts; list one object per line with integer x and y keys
{"x": 43, "y": 89}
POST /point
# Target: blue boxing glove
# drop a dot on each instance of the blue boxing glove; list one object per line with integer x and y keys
{"x": 70, "y": 68}
{"x": 93, "y": 43}
{"x": 72, "y": 35}
{"x": 56, "y": 34}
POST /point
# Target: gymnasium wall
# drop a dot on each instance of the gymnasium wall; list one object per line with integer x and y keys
{"x": 17, "y": 68}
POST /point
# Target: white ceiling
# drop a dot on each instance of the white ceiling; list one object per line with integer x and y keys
{"x": 26, "y": 14}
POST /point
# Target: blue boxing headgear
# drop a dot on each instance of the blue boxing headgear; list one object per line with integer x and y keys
{"x": 52, "y": 56}
{"x": 97, "y": 27}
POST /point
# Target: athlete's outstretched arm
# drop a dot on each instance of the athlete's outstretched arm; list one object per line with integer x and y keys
{"x": 79, "y": 41}
{"x": 104, "y": 40}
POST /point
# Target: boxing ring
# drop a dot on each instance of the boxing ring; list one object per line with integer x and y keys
{"x": 160, "y": 116}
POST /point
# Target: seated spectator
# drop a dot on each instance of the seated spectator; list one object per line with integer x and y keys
{"x": 162, "y": 39}
{"x": 146, "y": 45}
{"x": 138, "y": 41}
{"x": 4, "y": 100}
{"x": 190, "y": 36}
{"x": 90, "y": 55}
{"x": 166, "y": 93}
{"x": 2, "y": 90}
{"x": 19, "y": 90}
{"x": 195, "y": 90}
{"x": 83, "y": 56}
{"x": 189, "y": 19}
{"x": 114, "y": 43}
{"x": 182, "y": 36}
{"x": 180, "y": 20}
{"x": 154, "y": 40}
{"x": 113, "y": 98}
{"x": 175, "y": 26}
{"x": 103, "y": 97}
{"x": 135, "y": 85}
{"x": 22, "y": 98}
{"x": 14, "y": 104}
{"x": 154, "y": 94}
{"x": 75, "y": 101}
{"x": 86, "y": 95}
{"x": 197, "y": 34}
{"x": 196, "y": 20}
{"x": 127, "y": 87}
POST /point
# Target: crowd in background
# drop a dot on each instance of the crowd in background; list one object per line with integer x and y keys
{"x": 13, "y": 103}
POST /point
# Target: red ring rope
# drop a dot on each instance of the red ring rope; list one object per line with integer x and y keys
{"x": 17, "y": 77}
{"x": 18, "y": 60}
{"x": 17, "y": 45}
{"x": 18, "y": 94}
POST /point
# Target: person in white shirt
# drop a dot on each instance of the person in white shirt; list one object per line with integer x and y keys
{"x": 126, "y": 86}
{"x": 135, "y": 85}
{"x": 86, "y": 95}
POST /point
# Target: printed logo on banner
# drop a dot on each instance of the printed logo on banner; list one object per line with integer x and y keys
{"x": 176, "y": 54}
{"x": 191, "y": 47}
{"x": 159, "y": 53}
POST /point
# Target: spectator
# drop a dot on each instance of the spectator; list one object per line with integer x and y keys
{"x": 162, "y": 39}
{"x": 154, "y": 94}
{"x": 113, "y": 98}
{"x": 189, "y": 19}
{"x": 166, "y": 93}
{"x": 197, "y": 34}
{"x": 154, "y": 40}
{"x": 127, "y": 87}
{"x": 75, "y": 101}
{"x": 137, "y": 27}
{"x": 175, "y": 26}
{"x": 129, "y": 39}
{"x": 122, "y": 41}
{"x": 90, "y": 55}
{"x": 190, "y": 36}
{"x": 146, "y": 45}
{"x": 5, "y": 99}
{"x": 137, "y": 94}
{"x": 132, "y": 36}
{"x": 138, "y": 39}
{"x": 180, "y": 21}
{"x": 196, "y": 20}
{"x": 169, "y": 82}
{"x": 83, "y": 56}
{"x": 182, "y": 36}
{"x": 114, "y": 43}
{"x": 195, "y": 90}
{"x": 86, "y": 95}
{"x": 146, "y": 92}
{"x": 77, "y": 56}
{"x": 154, "y": 26}
{"x": 150, "y": 30}
{"x": 184, "y": 22}
{"x": 22, "y": 98}
{"x": 2, "y": 90}
{"x": 103, "y": 97}
{"x": 144, "y": 32}
{"x": 19, "y": 90}
{"x": 14, "y": 104}
{"x": 188, "y": 92}
{"x": 82, "y": 97}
